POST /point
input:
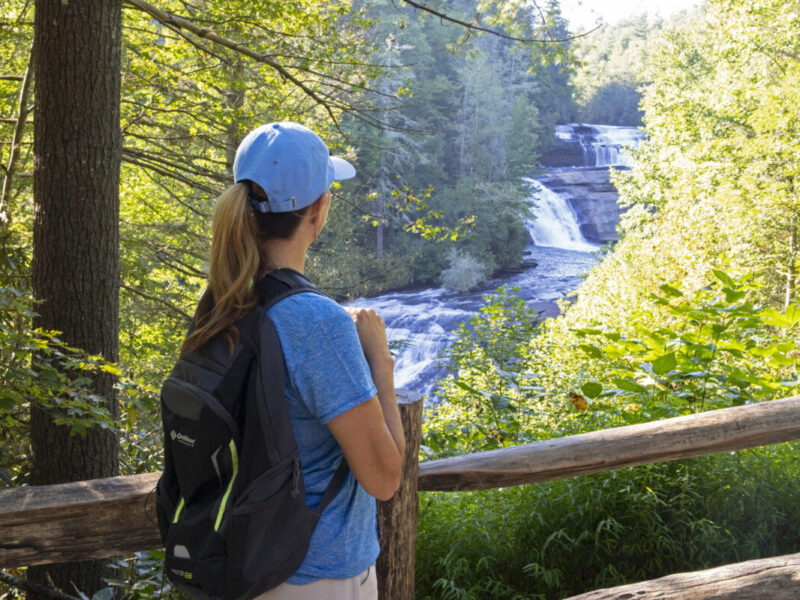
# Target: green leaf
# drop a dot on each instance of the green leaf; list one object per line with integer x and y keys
{"x": 628, "y": 385}
{"x": 592, "y": 389}
{"x": 588, "y": 331}
{"x": 665, "y": 364}
{"x": 500, "y": 402}
{"x": 733, "y": 295}
{"x": 592, "y": 351}
{"x": 773, "y": 317}
{"x": 792, "y": 315}
{"x": 469, "y": 388}
{"x": 104, "y": 594}
{"x": 671, "y": 291}
{"x": 724, "y": 278}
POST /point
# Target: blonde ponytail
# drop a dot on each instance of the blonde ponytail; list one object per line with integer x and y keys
{"x": 236, "y": 260}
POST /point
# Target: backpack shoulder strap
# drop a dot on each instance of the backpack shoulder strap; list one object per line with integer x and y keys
{"x": 271, "y": 289}
{"x": 334, "y": 485}
{"x": 279, "y": 284}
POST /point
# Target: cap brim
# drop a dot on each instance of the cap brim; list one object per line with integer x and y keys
{"x": 342, "y": 169}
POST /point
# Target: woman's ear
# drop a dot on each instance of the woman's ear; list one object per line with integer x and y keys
{"x": 320, "y": 208}
{"x": 318, "y": 212}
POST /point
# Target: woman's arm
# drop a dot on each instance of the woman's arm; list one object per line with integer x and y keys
{"x": 371, "y": 434}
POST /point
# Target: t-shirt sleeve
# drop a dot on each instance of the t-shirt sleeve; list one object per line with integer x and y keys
{"x": 324, "y": 358}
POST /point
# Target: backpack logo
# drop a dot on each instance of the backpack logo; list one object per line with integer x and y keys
{"x": 180, "y": 573}
{"x": 183, "y": 439}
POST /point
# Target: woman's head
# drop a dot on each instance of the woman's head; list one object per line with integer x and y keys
{"x": 290, "y": 163}
{"x": 282, "y": 173}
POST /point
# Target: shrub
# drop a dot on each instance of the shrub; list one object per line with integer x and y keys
{"x": 464, "y": 273}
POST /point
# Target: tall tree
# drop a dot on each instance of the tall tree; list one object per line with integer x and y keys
{"x": 75, "y": 268}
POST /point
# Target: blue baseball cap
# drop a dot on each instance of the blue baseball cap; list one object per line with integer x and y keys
{"x": 291, "y": 163}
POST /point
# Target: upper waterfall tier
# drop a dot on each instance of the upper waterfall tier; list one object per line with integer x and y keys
{"x": 585, "y": 145}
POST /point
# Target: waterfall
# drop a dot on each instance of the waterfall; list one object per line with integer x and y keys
{"x": 555, "y": 223}
{"x": 603, "y": 145}
{"x": 420, "y": 323}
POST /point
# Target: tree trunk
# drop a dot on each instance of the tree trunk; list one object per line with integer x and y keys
{"x": 383, "y": 198}
{"x": 791, "y": 270}
{"x": 16, "y": 142}
{"x": 234, "y": 100}
{"x": 75, "y": 269}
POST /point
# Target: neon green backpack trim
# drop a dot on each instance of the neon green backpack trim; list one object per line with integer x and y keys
{"x": 224, "y": 503}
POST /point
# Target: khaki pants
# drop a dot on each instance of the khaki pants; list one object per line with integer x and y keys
{"x": 361, "y": 587}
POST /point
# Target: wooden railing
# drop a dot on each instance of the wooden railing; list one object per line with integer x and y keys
{"x": 107, "y": 517}
{"x": 658, "y": 441}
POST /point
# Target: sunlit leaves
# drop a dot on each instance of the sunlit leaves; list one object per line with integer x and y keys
{"x": 488, "y": 399}
{"x": 592, "y": 389}
{"x": 664, "y": 364}
{"x": 709, "y": 350}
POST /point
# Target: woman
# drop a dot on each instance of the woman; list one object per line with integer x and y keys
{"x": 339, "y": 372}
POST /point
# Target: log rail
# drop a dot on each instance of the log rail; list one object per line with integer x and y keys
{"x": 698, "y": 434}
{"x": 765, "y": 579}
{"x": 108, "y": 517}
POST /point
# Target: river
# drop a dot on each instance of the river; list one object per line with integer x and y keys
{"x": 424, "y": 320}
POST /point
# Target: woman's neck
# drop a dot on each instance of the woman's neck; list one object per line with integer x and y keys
{"x": 287, "y": 253}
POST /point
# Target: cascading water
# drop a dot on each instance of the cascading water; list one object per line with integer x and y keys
{"x": 555, "y": 223}
{"x": 603, "y": 145}
{"x": 422, "y": 322}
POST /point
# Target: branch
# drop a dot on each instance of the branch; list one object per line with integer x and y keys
{"x": 34, "y": 588}
{"x": 165, "y": 257}
{"x": 166, "y": 303}
{"x": 184, "y": 162}
{"x": 500, "y": 34}
{"x": 200, "y": 47}
{"x": 132, "y": 158}
{"x": 16, "y": 140}
{"x": 181, "y": 111}
{"x": 174, "y": 21}
{"x": 175, "y": 197}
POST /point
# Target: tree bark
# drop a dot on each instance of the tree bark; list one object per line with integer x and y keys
{"x": 791, "y": 270}
{"x": 397, "y": 517}
{"x": 75, "y": 267}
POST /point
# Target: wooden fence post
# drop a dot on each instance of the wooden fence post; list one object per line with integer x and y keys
{"x": 397, "y": 517}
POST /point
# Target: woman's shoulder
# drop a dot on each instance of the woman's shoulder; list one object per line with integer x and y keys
{"x": 308, "y": 310}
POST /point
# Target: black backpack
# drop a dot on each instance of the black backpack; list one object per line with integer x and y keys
{"x": 231, "y": 500}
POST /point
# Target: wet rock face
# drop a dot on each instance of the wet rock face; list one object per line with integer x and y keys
{"x": 579, "y": 163}
{"x": 563, "y": 154}
{"x": 593, "y": 198}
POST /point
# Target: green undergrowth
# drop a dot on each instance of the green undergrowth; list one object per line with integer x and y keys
{"x": 511, "y": 380}
{"x": 555, "y": 540}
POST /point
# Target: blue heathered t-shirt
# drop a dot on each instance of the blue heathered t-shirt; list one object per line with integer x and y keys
{"x": 326, "y": 375}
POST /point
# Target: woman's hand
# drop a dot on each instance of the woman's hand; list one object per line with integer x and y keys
{"x": 372, "y": 335}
